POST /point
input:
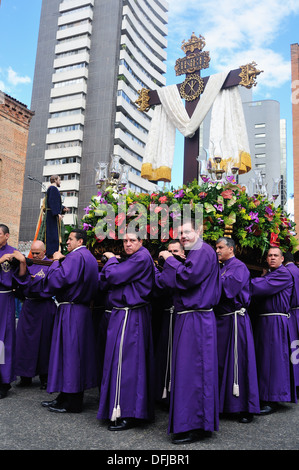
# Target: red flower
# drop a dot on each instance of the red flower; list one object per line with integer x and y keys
{"x": 120, "y": 218}
{"x": 284, "y": 221}
{"x": 162, "y": 199}
{"x": 173, "y": 233}
{"x": 112, "y": 235}
{"x": 274, "y": 239}
{"x": 152, "y": 230}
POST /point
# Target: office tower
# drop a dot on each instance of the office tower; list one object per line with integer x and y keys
{"x": 93, "y": 57}
{"x": 264, "y": 129}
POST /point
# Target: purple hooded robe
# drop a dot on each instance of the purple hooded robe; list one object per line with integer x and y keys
{"x": 127, "y": 381}
{"x": 272, "y": 294}
{"x": 74, "y": 282}
{"x": 7, "y": 320}
{"x": 237, "y": 369}
{"x": 196, "y": 284}
{"x": 34, "y": 329}
{"x": 295, "y": 319}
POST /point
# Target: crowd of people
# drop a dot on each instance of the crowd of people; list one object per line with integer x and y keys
{"x": 194, "y": 332}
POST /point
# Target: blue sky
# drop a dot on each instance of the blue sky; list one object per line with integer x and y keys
{"x": 236, "y": 32}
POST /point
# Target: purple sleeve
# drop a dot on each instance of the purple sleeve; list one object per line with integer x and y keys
{"x": 234, "y": 281}
{"x": 184, "y": 276}
{"x": 271, "y": 283}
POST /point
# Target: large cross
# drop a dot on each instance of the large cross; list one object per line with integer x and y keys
{"x": 191, "y": 89}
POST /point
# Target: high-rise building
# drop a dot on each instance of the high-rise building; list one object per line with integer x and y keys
{"x": 295, "y": 112}
{"x": 266, "y": 135}
{"x": 93, "y": 56}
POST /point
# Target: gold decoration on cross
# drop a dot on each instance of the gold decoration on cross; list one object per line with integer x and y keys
{"x": 248, "y": 74}
{"x": 195, "y": 42}
{"x": 143, "y": 100}
{"x": 191, "y": 87}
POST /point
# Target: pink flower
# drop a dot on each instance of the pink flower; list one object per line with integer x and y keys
{"x": 162, "y": 199}
{"x": 227, "y": 194}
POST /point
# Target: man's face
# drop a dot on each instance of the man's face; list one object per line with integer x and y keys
{"x": 58, "y": 182}
{"x": 274, "y": 258}
{"x": 176, "y": 249}
{"x": 131, "y": 243}
{"x": 3, "y": 238}
{"x": 188, "y": 235}
{"x": 224, "y": 251}
{"x": 72, "y": 242}
{"x": 37, "y": 252}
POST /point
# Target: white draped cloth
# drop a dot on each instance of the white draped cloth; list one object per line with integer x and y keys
{"x": 169, "y": 116}
{"x": 228, "y": 132}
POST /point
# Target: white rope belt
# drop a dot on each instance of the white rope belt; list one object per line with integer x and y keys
{"x": 64, "y": 303}
{"x": 236, "y": 390}
{"x": 116, "y": 413}
{"x": 195, "y": 310}
{"x": 294, "y": 308}
{"x": 5, "y": 291}
{"x": 169, "y": 354}
{"x": 275, "y": 313}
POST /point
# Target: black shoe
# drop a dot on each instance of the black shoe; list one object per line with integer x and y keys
{"x": 43, "y": 382}
{"x": 63, "y": 407}
{"x": 121, "y": 424}
{"x": 268, "y": 408}
{"x": 4, "y": 390}
{"x": 48, "y": 403}
{"x": 190, "y": 436}
{"x": 245, "y": 417}
{"x": 24, "y": 382}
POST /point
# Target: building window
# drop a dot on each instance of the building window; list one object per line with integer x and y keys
{"x": 258, "y": 126}
{"x": 258, "y": 136}
{"x": 260, "y": 165}
{"x": 261, "y": 145}
{"x": 62, "y": 145}
{"x": 74, "y": 127}
{"x": 260, "y": 155}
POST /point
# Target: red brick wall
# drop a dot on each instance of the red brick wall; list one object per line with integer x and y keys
{"x": 14, "y": 125}
{"x": 295, "y": 112}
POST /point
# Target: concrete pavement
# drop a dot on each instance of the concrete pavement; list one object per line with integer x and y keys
{"x": 26, "y": 425}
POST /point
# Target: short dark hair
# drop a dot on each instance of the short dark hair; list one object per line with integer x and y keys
{"x": 288, "y": 257}
{"x": 80, "y": 234}
{"x": 172, "y": 242}
{"x": 228, "y": 241}
{"x": 4, "y": 228}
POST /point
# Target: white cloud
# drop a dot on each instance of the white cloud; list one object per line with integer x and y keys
{"x": 14, "y": 79}
{"x": 236, "y": 32}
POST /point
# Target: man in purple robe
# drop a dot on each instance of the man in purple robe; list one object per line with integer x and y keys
{"x": 238, "y": 386}
{"x": 7, "y": 311}
{"x": 289, "y": 263}
{"x": 73, "y": 280}
{"x": 35, "y": 325}
{"x": 272, "y": 294}
{"x": 163, "y": 352}
{"x": 126, "y": 393}
{"x": 196, "y": 284}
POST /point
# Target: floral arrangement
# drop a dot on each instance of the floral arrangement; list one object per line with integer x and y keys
{"x": 254, "y": 223}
